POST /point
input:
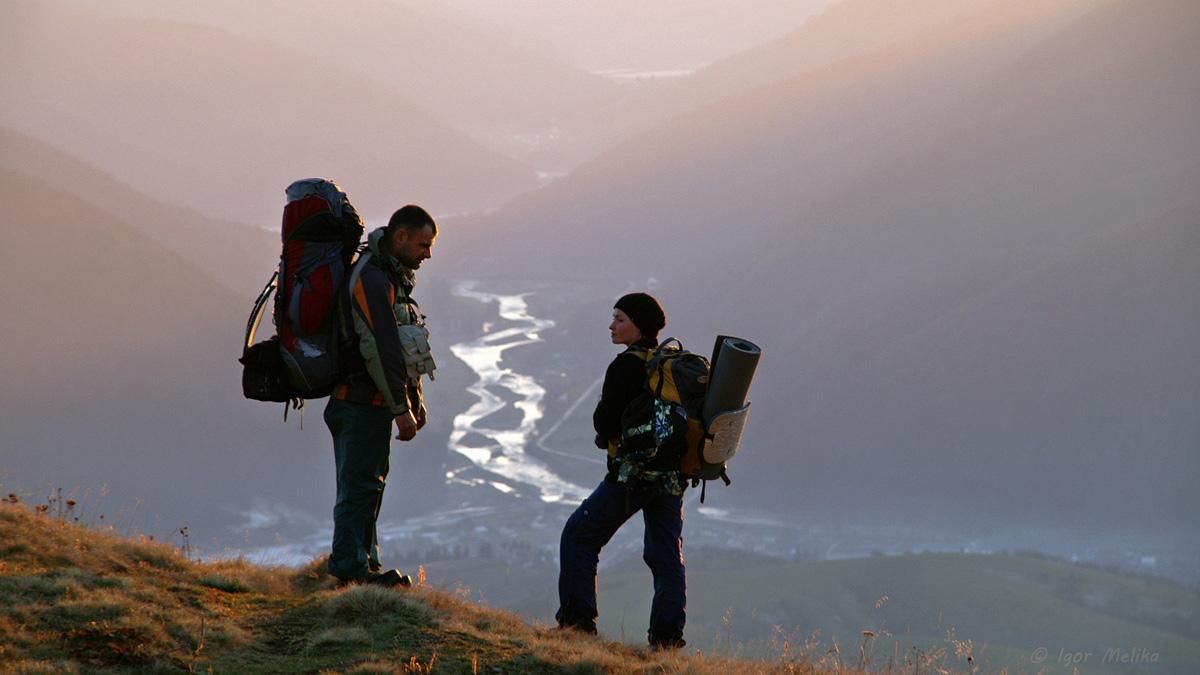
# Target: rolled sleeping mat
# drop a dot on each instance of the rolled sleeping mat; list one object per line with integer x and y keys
{"x": 725, "y": 435}
{"x": 733, "y": 363}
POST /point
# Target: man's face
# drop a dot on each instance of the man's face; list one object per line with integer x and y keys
{"x": 411, "y": 247}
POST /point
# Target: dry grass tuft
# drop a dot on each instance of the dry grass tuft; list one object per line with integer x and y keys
{"x": 337, "y": 637}
{"x": 370, "y": 603}
{"x": 254, "y": 578}
{"x": 312, "y": 577}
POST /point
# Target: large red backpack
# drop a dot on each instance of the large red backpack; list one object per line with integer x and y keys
{"x": 321, "y": 231}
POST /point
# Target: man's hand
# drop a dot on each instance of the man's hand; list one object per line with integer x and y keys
{"x": 406, "y": 426}
{"x": 421, "y": 417}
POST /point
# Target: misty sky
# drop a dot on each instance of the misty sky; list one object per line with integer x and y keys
{"x": 603, "y": 35}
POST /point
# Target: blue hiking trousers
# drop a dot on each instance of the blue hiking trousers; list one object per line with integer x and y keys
{"x": 592, "y": 526}
{"x": 362, "y": 436}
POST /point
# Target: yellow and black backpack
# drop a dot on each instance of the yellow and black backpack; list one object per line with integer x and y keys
{"x": 663, "y": 428}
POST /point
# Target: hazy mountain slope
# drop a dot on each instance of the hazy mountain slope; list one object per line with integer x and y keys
{"x": 238, "y": 256}
{"x": 848, "y": 42}
{"x": 121, "y": 374}
{"x": 1018, "y": 291}
{"x": 773, "y": 151}
{"x": 873, "y": 229}
{"x": 1057, "y": 390}
{"x": 502, "y": 93}
{"x": 94, "y": 295}
{"x": 221, "y": 124}
{"x": 855, "y": 29}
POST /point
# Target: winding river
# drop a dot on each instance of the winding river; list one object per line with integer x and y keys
{"x": 500, "y": 449}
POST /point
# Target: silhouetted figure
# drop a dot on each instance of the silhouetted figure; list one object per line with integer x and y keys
{"x": 655, "y": 488}
{"x": 388, "y": 351}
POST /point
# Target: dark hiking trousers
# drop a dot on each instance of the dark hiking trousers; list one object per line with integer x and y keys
{"x": 362, "y": 435}
{"x": 591, "y": 527}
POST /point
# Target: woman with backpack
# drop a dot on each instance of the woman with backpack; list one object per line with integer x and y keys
{"x": 654, "y": 487}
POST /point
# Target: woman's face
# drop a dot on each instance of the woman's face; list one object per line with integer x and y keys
{"x": 623, "y": 330}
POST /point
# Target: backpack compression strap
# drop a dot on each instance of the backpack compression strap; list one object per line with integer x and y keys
{"x": 256, "y": 314}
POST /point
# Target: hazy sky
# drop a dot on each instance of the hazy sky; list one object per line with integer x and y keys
{"x": 635, "y": 34}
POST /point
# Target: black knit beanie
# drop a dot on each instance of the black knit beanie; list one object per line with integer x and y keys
{"x": 645, "y": 312}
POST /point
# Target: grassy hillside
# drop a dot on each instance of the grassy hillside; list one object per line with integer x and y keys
{"x": 75, "y": 599}
{"x": 80, "y": 599}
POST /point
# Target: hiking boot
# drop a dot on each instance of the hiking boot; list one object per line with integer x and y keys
{"x": 585, "y": 629}
{"x": 388, "y": 579}
{"x": 658, "y": 643}
{"x": 582, "y": 624}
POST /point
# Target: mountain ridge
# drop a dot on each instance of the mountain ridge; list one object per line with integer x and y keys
{"x": 513, "y": 90}
{"x": 237, "y": 255}
{"x": 202, "y": 118}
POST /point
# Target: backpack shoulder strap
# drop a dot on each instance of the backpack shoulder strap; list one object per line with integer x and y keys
{"x": 656, "y": 360}
{"x": 641, "y": 352}
{"x": 356, "y": 273}
{"x": 345, "y": 301}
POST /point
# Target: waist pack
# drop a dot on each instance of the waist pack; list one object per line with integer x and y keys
{"x": 320, "y": 233}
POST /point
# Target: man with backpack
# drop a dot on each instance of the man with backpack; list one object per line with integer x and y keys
{"x": 387, "y": 352}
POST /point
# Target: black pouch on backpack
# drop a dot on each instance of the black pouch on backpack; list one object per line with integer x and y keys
{"x": 264, "y": 374}
{"x": 652, "y": 429}
{"x": 637, "y": 428}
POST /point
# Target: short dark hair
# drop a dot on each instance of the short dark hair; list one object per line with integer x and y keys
{"x": 410, "y": 217}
